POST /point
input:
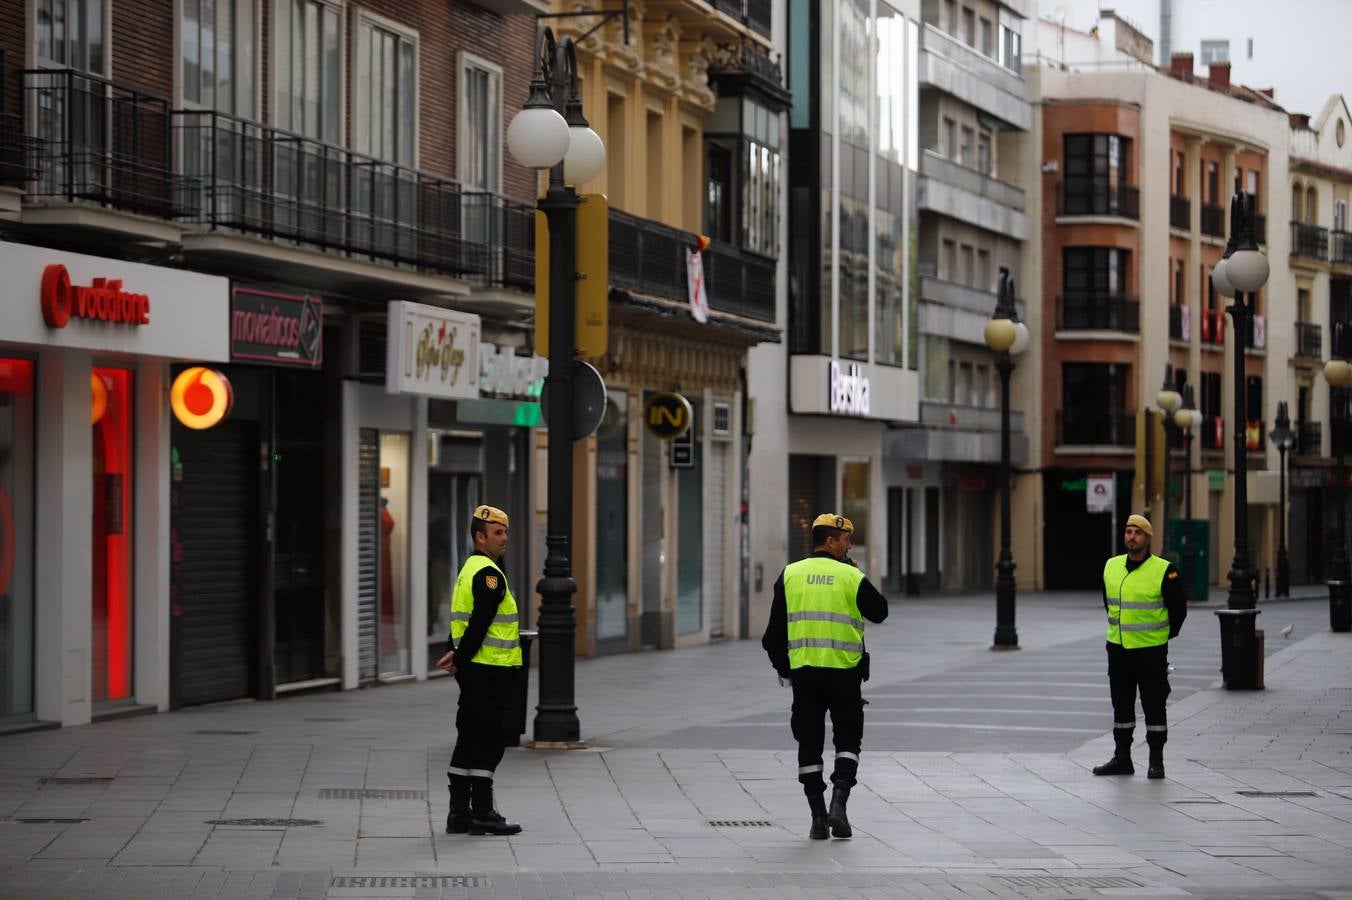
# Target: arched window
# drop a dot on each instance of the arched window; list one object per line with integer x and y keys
{"x": 1311, "y": 206}
{"x": 1296, "y": 196}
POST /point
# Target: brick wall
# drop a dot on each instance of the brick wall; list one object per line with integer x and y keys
{"x": 12, "y": 18}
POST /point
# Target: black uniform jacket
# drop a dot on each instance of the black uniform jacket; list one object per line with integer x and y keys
{"x": 1174, "y": 600}
{"x": 872, "y": 606}
{"x": 486, "y": 600}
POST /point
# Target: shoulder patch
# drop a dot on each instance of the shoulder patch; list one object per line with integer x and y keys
{"x": 491, "y": 582}
{"x": 1173, "y": 574}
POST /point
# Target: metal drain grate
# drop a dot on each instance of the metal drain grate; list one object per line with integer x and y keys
{"x": 75, "y": 821}
{"x": 1277, "y": 793}
{"x": 222, "y": 731}
{"x": 80, "y": 779}
{"x": 741, "y": 823}
{"x": 1066, "y": 882}
{"x": 408, "y": 881}
{"x": 369, "y": 794}
{"x": 265, "y": 823}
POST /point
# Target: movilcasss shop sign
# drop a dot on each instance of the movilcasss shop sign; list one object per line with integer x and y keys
{"x": 276, "y": 328}
{"x": 103, "y": 300}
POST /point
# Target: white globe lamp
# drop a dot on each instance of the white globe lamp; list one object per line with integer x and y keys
{"x": 538, "y": 136}
{"x": 585, "y": 157}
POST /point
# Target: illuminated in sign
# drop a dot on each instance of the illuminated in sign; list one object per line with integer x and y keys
{"x": 201, "y": 397}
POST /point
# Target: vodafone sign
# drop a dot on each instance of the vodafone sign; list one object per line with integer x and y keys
{"x": 103, "y": 300}
{"x": 53, "y": 298}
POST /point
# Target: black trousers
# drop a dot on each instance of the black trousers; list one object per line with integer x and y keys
{"x": 481, "y": 720}
{"x": 1144, "y": 669}
{"x": 817, "y": 692}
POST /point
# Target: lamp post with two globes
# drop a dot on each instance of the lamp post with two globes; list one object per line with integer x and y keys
{"x": 1169, "y": 400}
{"x": 550, "y": 133}
{"x": 1186, "y": 418}
{"x": 1240, "y": 273}
{"x": 1007, "y": 336}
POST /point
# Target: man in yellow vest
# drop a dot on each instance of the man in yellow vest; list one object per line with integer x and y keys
{"x": 1143, "y": 596}
{"x": 815, "y": 639}
{"x": 485, "y": 656}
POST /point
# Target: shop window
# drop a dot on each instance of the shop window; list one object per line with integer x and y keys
{"x": 690, "y": 539}
{"x": 855, "y": 506}
{"x": 111, "y": 594}
{"x": 454, "y": 489}
{"x": 393, "y": 537}
{"x": 16, "y": 537}
{"x": 612, "y": 521}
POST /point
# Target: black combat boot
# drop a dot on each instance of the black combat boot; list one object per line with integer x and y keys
{"x": 457, "y": 820}
{"x": 484, "y": 819}
{"x": 1120, "y": 764}
{"x": 836, "y": 818}
{"x": 1156, "y": 742}
{"x": 817, "y": 803}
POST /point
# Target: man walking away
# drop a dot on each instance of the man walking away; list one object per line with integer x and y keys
{"x": 815, "y": 638}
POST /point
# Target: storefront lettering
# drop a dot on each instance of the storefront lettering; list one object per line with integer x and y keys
{"x": 849, "y": 390}
{"x": 504, "y": 374}
{"x": 437, "y": 350}
{"x": 271, "y": 328}
{"x": 103, "y": 300}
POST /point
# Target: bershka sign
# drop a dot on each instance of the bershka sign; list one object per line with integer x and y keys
{"x": 284, "y": 329}
{"x": 432, "y": 351}
{"x": 848, "y": 390}
{"x": 103, "y": 300}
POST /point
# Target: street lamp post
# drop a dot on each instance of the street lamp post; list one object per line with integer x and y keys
{"x": 1338, "y": 373}
{"x": 1284, "y": 439}
{"x": 1169, "y": 400}
{"x": 1239, "y": 275}
{"x": 1185, "y": 418}
{"x": 550, "y": 133}
{"x": 1007, "y": 336}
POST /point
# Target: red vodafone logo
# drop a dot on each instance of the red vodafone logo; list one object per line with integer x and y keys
{"x": 103, "y": 300}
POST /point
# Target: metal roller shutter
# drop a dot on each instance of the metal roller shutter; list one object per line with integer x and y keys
{"x": 215, "y": 576}
{"x": 714, "y": 544}
{"x": 368, "y": 551}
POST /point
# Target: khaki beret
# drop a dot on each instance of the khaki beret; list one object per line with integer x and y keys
{"x": 490, "y": 514}
{"x": 831, "y": 520}
{"x": 1142, "y": 523}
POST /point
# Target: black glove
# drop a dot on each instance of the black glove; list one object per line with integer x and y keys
{"x": 864, "y": 666}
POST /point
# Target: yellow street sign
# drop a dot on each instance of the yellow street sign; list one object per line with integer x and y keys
{"x": 592, "y": 262}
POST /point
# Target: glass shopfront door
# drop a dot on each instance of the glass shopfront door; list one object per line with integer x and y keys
{"x": 395, "y": 656}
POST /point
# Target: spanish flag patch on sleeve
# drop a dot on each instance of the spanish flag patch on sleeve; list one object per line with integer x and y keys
{"x": 491, "y": 582}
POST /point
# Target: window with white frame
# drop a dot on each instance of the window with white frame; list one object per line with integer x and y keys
{"x": 479, "y": 161}
{"x": 72, "y": 33}
{"x": 385, "y": 93}
{"x": 1215, "y": 51}
{"x": 308, "y": 51}
{"x": 217, "y": 55}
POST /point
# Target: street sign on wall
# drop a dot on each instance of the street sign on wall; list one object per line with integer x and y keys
{"x": 1099, "y": 494}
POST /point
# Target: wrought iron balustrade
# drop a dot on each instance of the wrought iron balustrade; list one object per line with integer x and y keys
{"x": 1095, "y": 311}
{"x": 1309, "y": 241}
{"x": 1309, "y": 340}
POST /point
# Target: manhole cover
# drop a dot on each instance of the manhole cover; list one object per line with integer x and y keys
{"x": 265, "y": 823}
{"x": 80, "y": 779}
{"x": 50, "y": 821}
{"x": 741, "y": 823}
{"x": 1277, "y": 793}
{"x": 369, "y": 794}
{"x": 1066, "y": 882}
{"x": 222, "y": 731}
{"x": 408, "y": 881}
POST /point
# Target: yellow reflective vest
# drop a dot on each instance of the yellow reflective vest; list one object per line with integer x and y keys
{"x": 826, "y": 629}
{"x": 502, "y": 643}
{"x": 1137, "y": 616}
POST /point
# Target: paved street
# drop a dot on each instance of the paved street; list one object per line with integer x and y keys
{"x": 975, "y": 782}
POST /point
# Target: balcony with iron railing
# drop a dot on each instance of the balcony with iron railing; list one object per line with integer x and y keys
{"x": 261, "y": 180}
{"x": 1213, "y": 220}
{"x": 1098, "y": 427}
{"x": 16, "y": 156}
{"x": 1309, "y": 241}
{"x": 1309, "y": 340}
{"x": 648, "y": 257}
{"x": 1340, "y": 248}
{"x": 1180, "y": 212}
{"x": 1176, "y": 323}
{"x": 1095, "y": 311}
{"x": 755, "y": 13}
{"x": 1211, "y": 435}
{"x": 1211, "y": 327}
{"x": 97, "y": 141}
{"x": 1309, "y": 439}
{"x": 1098, "y": 197}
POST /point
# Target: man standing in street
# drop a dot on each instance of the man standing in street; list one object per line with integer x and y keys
{"x": 1143, "y": 596}
{"x": 484, "y": 654}
{"x": 815, "y": 638}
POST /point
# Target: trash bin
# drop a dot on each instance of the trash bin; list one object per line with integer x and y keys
{"x": 1340, "y": 609}
{"x": 517, "y": 718}
{"x": 1241, "y": 664}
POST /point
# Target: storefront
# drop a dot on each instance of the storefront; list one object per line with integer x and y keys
{"x": 248, "y": 502}
{"x": 85, "y": 347}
